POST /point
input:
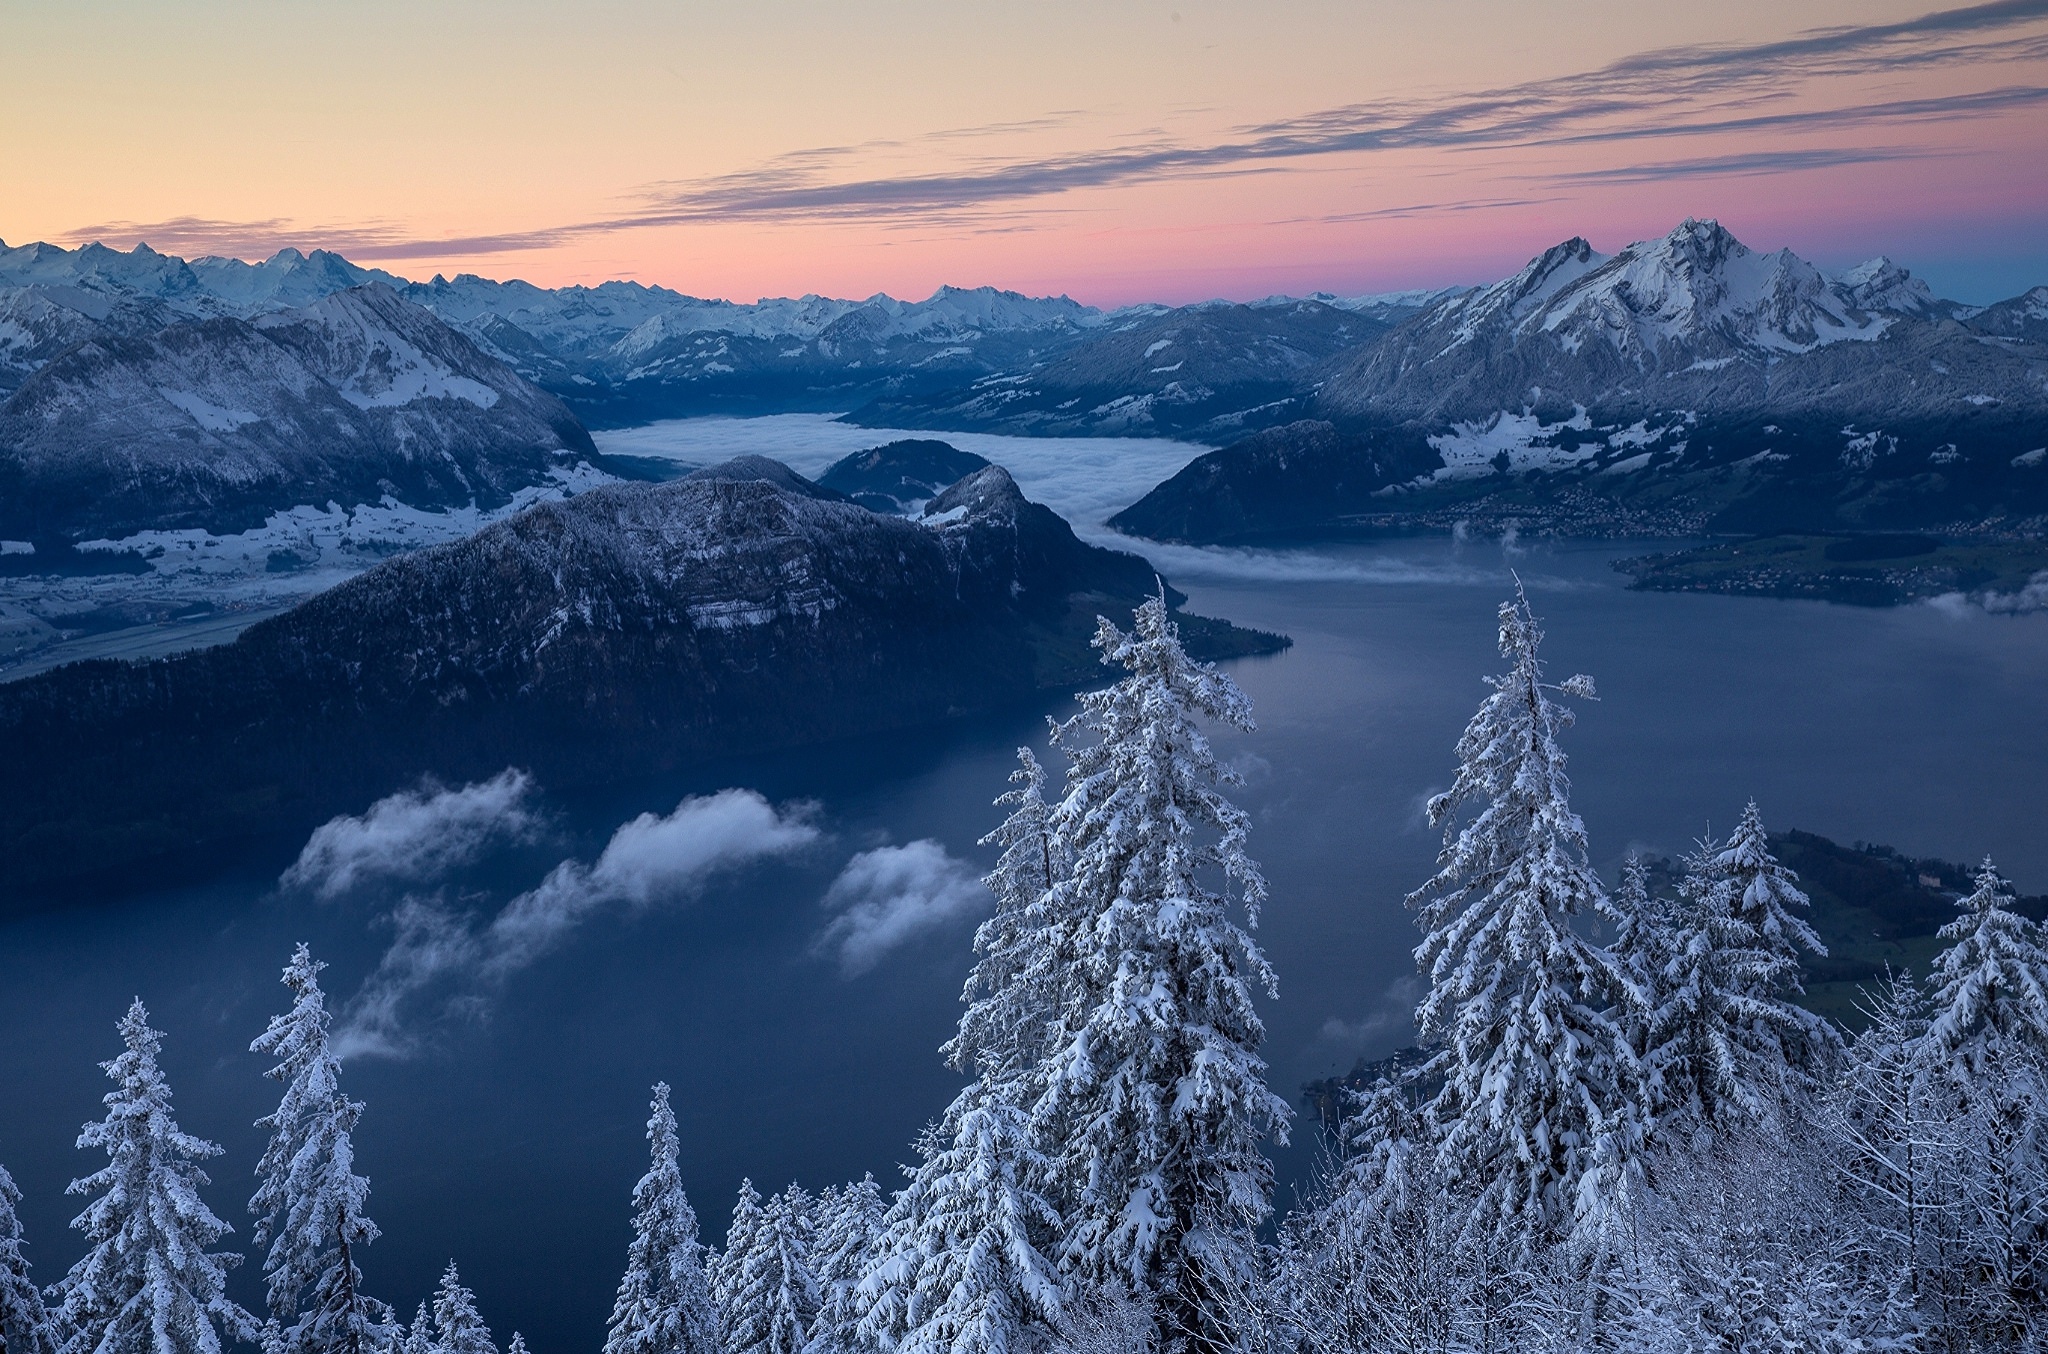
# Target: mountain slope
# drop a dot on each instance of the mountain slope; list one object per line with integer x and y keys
{"x": 219, "y": 422}
{"x": 631, "y": 628}
{"x": 1205, "y": 371}
{"x": 1683, "y": 385}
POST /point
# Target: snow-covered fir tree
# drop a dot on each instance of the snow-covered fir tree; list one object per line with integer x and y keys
{"x": 418, "y": 1338}
{"x": 310, "y": 1205}
{"x": 458, "y": 1328}
{"x": 1986, "y": 1051}
{"x": 1156, "y": 1105}
{"x": 850, "y": 1219}
{"x": 1725, "y": 1046}
{"x": 1014, "y": 990}
{"x": 1990, "y": 999}
{"x": 767, "y": 1291}
{"x": 960, "y": 1263}
{"x": 664, "y": 1301}
{"x": 1538, "y": 1113}
{"x": 960, "y": 1267}
{"x": 1887, "y": 1133}
{"x": 25, "y": 1326}
{"x": 148, "y": 1284}
{"x": 518, "y": 1344}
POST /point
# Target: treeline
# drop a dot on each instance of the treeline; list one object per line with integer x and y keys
{"x": 1641, "y": 1145}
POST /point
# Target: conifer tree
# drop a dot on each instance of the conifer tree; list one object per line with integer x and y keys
{"x": 1537, "y": 1116}
{"x": 1156, "y": 1101}
{"x": 1990, "y": 1001}
{"x": 25, "y": 1326}
{"x": 850, "y": 1222}
{"x": 959, "y": 1268}
{"x": 768, "y": 1293}
{"x": 458, "y": 1328}
{"x": 664, "y": 1301}
{"x": 1014, "y": 990}
{"x": 518, "y": 1345}
{"x": 1726, "y": 1046}
{"x": 725, "y": 1265}
{"x": 310, "y": 1206}
{"x": 1986, "y": 1049}
{"x": 148, "y": 1285}
{"x": 418, "y": 1338}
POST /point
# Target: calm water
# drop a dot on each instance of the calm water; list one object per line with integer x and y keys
{"x": 511, "y": 1141}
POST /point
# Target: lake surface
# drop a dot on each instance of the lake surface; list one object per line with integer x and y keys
{"x": 511, "y": 1137}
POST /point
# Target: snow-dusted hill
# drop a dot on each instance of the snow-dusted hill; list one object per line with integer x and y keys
{"x": 631, "y": 626}
{"x": 356, "y": 397}
{"x": 1203, "y": 371}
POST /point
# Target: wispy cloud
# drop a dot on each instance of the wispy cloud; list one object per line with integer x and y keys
{"x": 1749, "y": 162}
{"x": 441, "y": 953}
{"x": 1779, "y": 86}
{"x": 889, "y": 896}
{"x": 415, "y": 836}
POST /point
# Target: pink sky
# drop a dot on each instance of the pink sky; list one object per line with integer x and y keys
{"x": 1113, "y": 152}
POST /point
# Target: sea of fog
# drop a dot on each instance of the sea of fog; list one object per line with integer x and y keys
{"x": 783, "y": 938}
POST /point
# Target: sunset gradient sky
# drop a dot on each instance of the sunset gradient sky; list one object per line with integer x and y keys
{"x": 1111, "y": 151}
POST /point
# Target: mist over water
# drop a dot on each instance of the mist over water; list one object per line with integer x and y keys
{"x": 508, "y": 1135}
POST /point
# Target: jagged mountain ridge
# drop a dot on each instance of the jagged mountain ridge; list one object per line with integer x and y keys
{"x": 1694, "y": 320}
{"x": 218, "y": 422}
{"x": 1683, "y": 385}
{"x": 631, "y": 627}
{"x": 623, "y": 352}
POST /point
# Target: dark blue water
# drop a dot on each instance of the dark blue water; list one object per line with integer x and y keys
{"x": 511, "y": 1141}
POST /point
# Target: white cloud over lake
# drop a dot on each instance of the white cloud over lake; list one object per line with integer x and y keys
{"x": 415, "y": 836}
{"x": 889, "y": 896}
{"x": 453, "y": 960}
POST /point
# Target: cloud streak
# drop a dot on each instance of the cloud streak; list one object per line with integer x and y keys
{"x": 440, "y": 951}
{"x": 1687, "y": 91}
{"x": 889, "y": 896}
{"x": 415, "y": 836}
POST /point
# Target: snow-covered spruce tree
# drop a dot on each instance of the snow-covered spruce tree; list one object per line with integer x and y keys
{"x": 1538, "y": 1116}
{"x": 518, "y": 1345}
{"x": 1725, "y": 1047}
{"x": 960, "y": 1264}
{"x": 723, "y": 1266}
{"x": 148, "y": 1285}
{"x": 959, "y": 1269}
{"x": 767, "y": 1292}
{"x": 458, "y": 1328}
{"x": 310, "y": 1206}
{"x": 1156, "y": 1103}
{"x": 418, "y": 1338}
{"x": 1014, "y": 991}
{"x": 850, "y": 1219}
{"x": 1987, "y": 1051}
{"x": 1887, "y": 1135}
{"x": 664, "y": 1302}
{"x": 1990, "y": 1000}
{"x": 25, "y": 1326}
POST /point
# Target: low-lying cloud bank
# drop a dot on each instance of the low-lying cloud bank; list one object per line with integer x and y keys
{"x": 415, "y": 836}
{"x": 889, "y": 896}
{"x": 649, "y": 861}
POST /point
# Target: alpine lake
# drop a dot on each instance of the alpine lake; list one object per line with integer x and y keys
{"x": 510, "y": 1135}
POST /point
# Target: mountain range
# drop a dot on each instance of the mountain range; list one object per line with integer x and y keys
{"x": 1685, "y": 385}
{"x": 631, "y": 628}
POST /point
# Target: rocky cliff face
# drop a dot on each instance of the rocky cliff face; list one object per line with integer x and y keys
{"x": 633, "y": 627}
